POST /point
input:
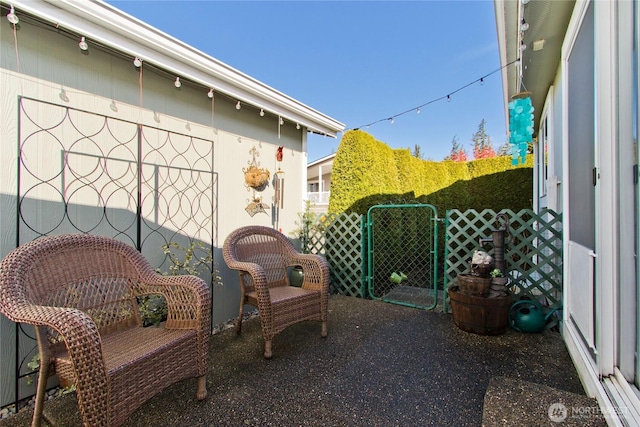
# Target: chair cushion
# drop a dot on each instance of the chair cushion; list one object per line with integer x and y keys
{"x": 127, "y": 347}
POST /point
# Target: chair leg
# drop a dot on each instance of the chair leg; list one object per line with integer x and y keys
{"x": 43, "y": 376}
{"x": 239, "y": 322}
{"x": 323, "y": 332}
{"x": 40, "y": 393}
{"x": 202, "y": 387}
{"x": 267, "y": 349}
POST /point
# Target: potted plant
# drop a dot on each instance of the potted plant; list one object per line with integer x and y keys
{"x": 497, "y": 278}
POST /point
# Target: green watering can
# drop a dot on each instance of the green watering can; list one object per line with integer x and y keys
{"x": 528, "y": 316}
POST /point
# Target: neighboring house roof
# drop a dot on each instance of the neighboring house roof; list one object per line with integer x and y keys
{"x": 322, "y": 160}
{"x": 323, "y": 165}
{"x": 106, "y": 25}
{"x": 548, "y": 22}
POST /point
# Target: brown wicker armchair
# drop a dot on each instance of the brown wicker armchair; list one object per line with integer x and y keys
{"x": 261, "y": 255}
{"x": 79, "y": 291}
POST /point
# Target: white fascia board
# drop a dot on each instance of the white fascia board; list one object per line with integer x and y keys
{"x": 499, "y": 9}
{"x": 111, "y": 27}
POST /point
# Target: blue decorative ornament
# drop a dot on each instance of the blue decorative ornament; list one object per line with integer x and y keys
{"x": 520, "y": 126}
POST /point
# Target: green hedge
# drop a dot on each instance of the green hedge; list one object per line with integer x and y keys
{"x": 367, "y": 172}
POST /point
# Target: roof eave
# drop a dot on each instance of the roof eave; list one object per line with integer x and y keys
{"x": 101, "y": 22}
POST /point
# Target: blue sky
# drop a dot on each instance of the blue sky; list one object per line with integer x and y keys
{"x": 357, "y": 61}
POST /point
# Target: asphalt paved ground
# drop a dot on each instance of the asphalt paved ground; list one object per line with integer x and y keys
{"x": 381, "y": 365}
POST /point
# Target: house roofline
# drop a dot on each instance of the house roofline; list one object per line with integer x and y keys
{"x": 321, "y": 159}
{"x": 111, "y": 27}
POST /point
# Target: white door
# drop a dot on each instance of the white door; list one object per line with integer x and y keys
{"x": 582, "y": 179}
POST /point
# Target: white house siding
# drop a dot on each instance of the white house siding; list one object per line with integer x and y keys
{"x": 595, "y": 100}
{"x": 49, "y": 62}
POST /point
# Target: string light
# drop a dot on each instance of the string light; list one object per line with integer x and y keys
{"x": 12, "y": 17}
{"x": 261, "y": 112}
{"x": 297, "y": 125}
{"x": 210, "y": 93}
{"x": 83, "y": 44}
{"x": 447, "y": 97}
{"x": 63, "y": 95}
{"x": 281, "y": 121}
{"x": 524, "y": 26}
{"x": 137, "y": 62}
{"x": 238, "y": 106}
{"x": 177, "y": 82}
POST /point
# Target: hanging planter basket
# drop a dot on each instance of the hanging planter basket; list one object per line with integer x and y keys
{"x": 256, "y": 178}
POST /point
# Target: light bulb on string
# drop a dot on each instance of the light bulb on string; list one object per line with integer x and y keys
{"x": 418, "y": 110}
{"x": 177, "y": 83}
{"x": 448, "y": 98}
{"x": 523, "y": 46}
{"x": 238, "y": 106}
{"x": 481, "y": 81}
{"x": 281, "y": 121}
{"x": 391, "y": 120}
{"x": 83, "y": 44}
{"x": 137, "y": 62}
{"x": 210, "y": 93}
{"x": 12, "y": 17}
{"x": 261, "y": 112}
{"x": 63, "y": 95}
{"x": 297, "y": 125}
{"x": 524, "y": 26}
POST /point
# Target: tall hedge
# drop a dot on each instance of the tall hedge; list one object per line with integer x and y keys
{"x": 367, "y": 172}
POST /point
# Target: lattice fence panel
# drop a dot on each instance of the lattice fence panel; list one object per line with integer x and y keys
{"x": 533, "y": 249}
{"x": 339, "y": 237}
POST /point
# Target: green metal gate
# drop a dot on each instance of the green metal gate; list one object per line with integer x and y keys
{"x": 402, "y": 254}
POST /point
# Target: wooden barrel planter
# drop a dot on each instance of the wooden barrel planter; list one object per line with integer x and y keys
{"x": 471, "y": 284}
{"x": 480, "y": 315}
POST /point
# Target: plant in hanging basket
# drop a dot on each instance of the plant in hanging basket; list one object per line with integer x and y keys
{"x": 256, "y": 178}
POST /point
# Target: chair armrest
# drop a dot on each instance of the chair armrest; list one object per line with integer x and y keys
{"x": 258, "y": 275}
{"x": 316, "y": 271}
{"x": 188, "y": 299}
{"x": 81, "y": 337}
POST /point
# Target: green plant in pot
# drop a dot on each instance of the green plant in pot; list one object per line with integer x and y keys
{"x": 497, "y": 278}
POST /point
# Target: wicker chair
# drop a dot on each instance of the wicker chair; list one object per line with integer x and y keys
{"x": 261, "y": 255}
{"x": 79, "y": 292}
